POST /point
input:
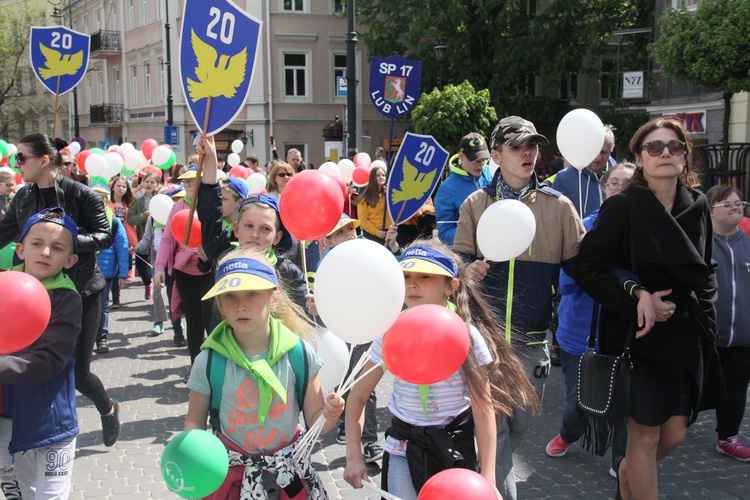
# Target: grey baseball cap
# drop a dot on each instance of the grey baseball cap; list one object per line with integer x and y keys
{"x": 514, "y": 131}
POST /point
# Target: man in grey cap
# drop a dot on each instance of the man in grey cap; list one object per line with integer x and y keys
{"x": 469, "y": 172}
{"x": 520, "y": 290}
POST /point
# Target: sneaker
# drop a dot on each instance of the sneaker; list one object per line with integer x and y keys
{"x": 147, "y": 293}
{"x": 178, "y": 341}
{"x": 613, "y": 472}
{"x": 554, "y": 355}
{"x": 557, "y": 447}
{"x": 341, "y": 435}
{"x": 111, "y": 425}
{"x": 114, "y": 305}
{"x": 734, "y": 449}
{"x": 157, "y": 330}
{"x": 372, "y": 452}
{"x": 101, "y": 346}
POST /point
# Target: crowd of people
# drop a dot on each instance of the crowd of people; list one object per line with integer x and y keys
{"x": 662, "y": 267}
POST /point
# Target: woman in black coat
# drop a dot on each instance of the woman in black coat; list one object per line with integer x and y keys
{"x": 668, "y": 299}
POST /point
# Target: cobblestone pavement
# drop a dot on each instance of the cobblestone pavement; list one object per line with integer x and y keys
{"x": 146, "y": 375}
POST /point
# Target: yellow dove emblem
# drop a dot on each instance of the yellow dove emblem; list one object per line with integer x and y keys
{"x": 414, "y": 185}
{"x": 59, "y": 64}
{"x": 217, "y": 75}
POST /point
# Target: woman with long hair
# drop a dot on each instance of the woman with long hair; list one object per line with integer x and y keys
{"x": 371, "y": 207}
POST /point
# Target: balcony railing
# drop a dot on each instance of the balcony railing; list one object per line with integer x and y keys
{"x": 105, "y": 42}
{"x": 106, "y": 114}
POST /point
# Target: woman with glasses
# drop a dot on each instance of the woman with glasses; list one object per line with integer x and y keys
{"x": 281, "y": 173}
{"x": 39, "y": 160}
{"x": 647, "y": 260}
{"x": 732, "y": 256}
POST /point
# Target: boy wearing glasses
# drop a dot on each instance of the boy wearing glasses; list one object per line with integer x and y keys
{"x": 6, "y": 188}
{"x": 468, "y": 172}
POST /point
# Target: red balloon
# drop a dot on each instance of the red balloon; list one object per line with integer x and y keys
{"x": 178, "y": 226}
{"x": 25, "y": 309}
{"x": 457, "y": 483}
{"x": 360, "y": 176}
{"x": 81, "y": 159}
{"x": 239, "y": 171}
{"x": 342, "y": 185}
{"x": 148, "y": 147}
{"x": 426, "y": 344}
{"x": 151, "y": 168}
{"x": 311, "y": 205}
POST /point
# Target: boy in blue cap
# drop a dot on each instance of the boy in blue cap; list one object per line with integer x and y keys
{"x": 38, "y": 382}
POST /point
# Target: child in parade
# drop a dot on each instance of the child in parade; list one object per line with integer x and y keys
{"x": 269, "y": 376}
{"x": 113, "y": 262}
{"x": 40, "y": 423}
{"x": 7, "y": 183}
{"x": 121, "y": 197}
{"x": 491, "y": 380}
{"x": 138, "y": 216}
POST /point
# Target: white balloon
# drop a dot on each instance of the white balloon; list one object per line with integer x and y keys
{"x": 74, "y": 148}
{"x": 378, "y": 163}
{"x": 126, "y": 148}
{"x": 346, "y": 167}
{"x": 233, "y": 159}
{"x": 256, "y": 182}
{"x": 331, "y": 168}
{"x": 505, "y": 230}
{"x": 362, "y": 160}
{"x": 335, "y": 354}
{"x": 237, "y": 146}
{"x": 114, "y": 164}
{"x": 133, "y": 161}
{"x": 8, "y": 170}
{"x": 580, "y": 137}
{"x": 96, "y": 165}
{"x": 160, "y": 155}
{"x": 359, "y": 314}
{"x": 160, "y": 206}
{"x": 221, "y": 175}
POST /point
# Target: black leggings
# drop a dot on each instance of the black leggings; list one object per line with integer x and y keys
{"x": 87, "y": 383}
{"x": 197, "y": 312}
{"x": 735, "y": 363}
{"x": 142, "y": 268}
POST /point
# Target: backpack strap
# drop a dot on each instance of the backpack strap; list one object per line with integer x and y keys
{"x": 216, "y": 367}
{"x": 298, "y": 360}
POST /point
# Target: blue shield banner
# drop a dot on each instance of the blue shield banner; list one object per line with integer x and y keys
{"x": 394, "y": 84}
{"x": 218, "y": 45}
{"x": 59, "y": 57}
{"x": 414, "y": 175}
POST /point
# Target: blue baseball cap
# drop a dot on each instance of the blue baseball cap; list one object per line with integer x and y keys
{"x": 54, "y": 215}
{"x": 423, "y": 259}
{"x": 237, "y": 185}
{"x": 286, "y": 242}
{"x": 236, "y": 275}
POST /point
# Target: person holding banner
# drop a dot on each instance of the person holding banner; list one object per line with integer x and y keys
{"x": 371, "y": 207}
{"x": 463, "y": 405}
{"x": 525, "y": 301}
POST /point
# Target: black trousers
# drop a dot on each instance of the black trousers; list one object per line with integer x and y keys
{"x": 735, "y": 363}
{"x": 197, "y": 312}
{"x": 87, "y": 383}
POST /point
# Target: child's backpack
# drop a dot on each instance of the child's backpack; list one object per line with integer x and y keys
{"x": 216, "y": 370}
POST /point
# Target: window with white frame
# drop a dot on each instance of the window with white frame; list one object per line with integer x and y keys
{"x": 32, "y": 81}
{"x": 144, "y": 12}
{"x": 339, "y": 6}
{"x": 160, "y": 86}
{"x": 35, "y": 126}
{"x": 569, "y": 87}
{"x": 339, "y": 69}
{"x": 295, "y": 74}
{"x": 293, "y": 5}
{"x": 688, "y": 4}
{"x": 21, "y": 129}
{"x": 51, "y": 128}
{"x": 116, "y": 81}
{"x": 131, "y": 15}
{"x": 158, "y": 13}
{"x": 147, "y": 81}
{"x": 65, "y": 126}
{"x": 97, "y": 20}
{"x": 88, "y": 90}
{"x": 133, "y": 84}
{"x": 85, "y": 23}
{"x": 608, "y": 84}
{"x": 100, "y": 83}
{"x": 112, "y": 25}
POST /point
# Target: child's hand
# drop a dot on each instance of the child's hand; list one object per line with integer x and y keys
{"x": 334, "y": 406}
{"x": 390, "y": 238}
{"x": 131, "y": 250}
{"x": 310, "y": 304}
{"x": 355, "y": 472}
{"x": 159, "y": 279}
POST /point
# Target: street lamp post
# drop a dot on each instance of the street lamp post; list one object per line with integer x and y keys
{"x": 351, "y": 82}
{"x": 440, "y": 56}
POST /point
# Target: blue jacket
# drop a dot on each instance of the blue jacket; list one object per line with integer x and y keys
{"x": 39, "y": 382}
{"x": 586, "y": 187}
{"x": 113, "y": 261}
{"x": 451, "y": 193}
{"x": 575, "y": 308}
{"x": 732, "y": 254}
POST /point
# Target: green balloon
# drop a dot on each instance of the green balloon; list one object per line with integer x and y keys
{"x": 3, "y": 149}
{"x": 6, "y": 256}
{"x": 12, "y": 163}
{"x": 194, "y": 464}
{"x": 126, "y": 171}
{"x": 98, "y": 180}
{"x": 98, "y": 151}
{"x": 170, "y": 161}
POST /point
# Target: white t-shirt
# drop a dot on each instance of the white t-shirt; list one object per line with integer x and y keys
{"x": 238, "y": 410}
{"x": 445, "y": 400}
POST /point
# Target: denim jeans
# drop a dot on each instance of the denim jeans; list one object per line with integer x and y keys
{"x": 399, "y": 478}
{"x": 104, "y": 321}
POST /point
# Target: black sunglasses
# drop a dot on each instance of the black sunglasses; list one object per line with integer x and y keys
{"x": 655, "y": 148}
{"x": 286, "y": 174}
{"x": 21, "y": 158}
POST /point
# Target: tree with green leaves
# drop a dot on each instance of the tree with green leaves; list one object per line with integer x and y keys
{"x": 709, "y": 46}
{"x": 452, "y": 113}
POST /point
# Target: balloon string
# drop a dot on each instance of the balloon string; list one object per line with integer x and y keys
{"x": 379, "y": 491}
{"x": 144, "y": 260}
